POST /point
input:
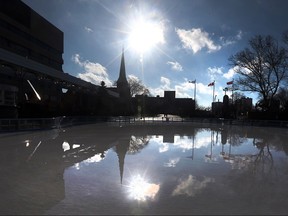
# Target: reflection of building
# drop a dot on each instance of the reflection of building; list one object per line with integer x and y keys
{"x": 164, "y": 105}
{"x": 32, "y": 176}
{"x": 121, "y": 149}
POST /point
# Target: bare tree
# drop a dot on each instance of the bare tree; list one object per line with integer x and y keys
{"x": 282, "y": 97}
{"x": 262, "y": 68}
{"x": 285, "y": 37}
{"x": 137, "y": 87}
{"x": 237, "y": 96}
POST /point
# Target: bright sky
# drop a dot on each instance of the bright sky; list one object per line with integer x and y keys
{"x": 167, "y": 42}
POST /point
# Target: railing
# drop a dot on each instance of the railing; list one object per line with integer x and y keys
{"x": 174, "y": 119}
{"x": 8, "y": 125}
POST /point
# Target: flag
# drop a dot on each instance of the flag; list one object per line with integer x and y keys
{"x": 193, "y": 81}
{"x": 211, "y": 84}
{"x": 230, "y": 83}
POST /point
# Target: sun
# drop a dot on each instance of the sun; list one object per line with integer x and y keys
{"x": 145, "y": 35}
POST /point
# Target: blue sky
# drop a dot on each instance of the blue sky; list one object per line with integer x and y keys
{"x": 166, "y": 42}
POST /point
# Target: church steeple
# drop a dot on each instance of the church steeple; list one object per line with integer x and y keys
{"x": 122, "y": 75}
{"x": 122, "y": 83}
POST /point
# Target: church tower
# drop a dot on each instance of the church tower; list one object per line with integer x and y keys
{"x": 122, "y": 83}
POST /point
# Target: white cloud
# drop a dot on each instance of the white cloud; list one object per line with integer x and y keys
{"x": 165, "y": 86}
{"x": 89, "y": 30}
{"x": 227, "y": 42}
{"x": 229, "y": 74}
{"x": 165, "y": 82}
{"x": 231, "y": 40}
{"x": 239, "y": 35}
{"x": 184, "y": 89}
{"x": 196, "y": 39}
{"x": 133, "y": 77}
{"x": 214, "y": 72}
{"x": 175, "y": 66}
{"x": 93, "y": 72}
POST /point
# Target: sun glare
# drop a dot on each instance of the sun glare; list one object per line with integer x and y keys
{"x": 139, "y": 189}
{"x": 145, "y": 35}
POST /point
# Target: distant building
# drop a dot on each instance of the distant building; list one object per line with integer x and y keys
{"x": 243, "y": 106}
{"x": 217, "y": 109}
{"x": 145, "y": 105}
{"x": 239, "y": 108}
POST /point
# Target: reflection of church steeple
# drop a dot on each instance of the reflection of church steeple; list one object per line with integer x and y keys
{"x": 122, "y": 83}
{"x": 121, "y": 150}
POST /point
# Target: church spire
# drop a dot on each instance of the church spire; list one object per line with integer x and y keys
{"x": 122, "y": 83}
{"x": 122, "y": 75}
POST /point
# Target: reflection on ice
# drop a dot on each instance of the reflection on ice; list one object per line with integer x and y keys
{"x": 191, "y": 186}
{"x": 89, "y": 170}
{"x": 172, "y": 162}
{"x": 96, "y": 158}
{"x": 65, "y": 146}
{"x": 140, "y": 189}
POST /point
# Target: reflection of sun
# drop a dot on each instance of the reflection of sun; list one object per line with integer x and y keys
{"x": 145, "y": 34}
{"x": 139, "y": 189}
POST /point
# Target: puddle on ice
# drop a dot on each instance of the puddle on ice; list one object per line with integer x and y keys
{"x": 177, "y": 168}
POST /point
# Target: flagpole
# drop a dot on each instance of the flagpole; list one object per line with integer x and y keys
{"x": 195, "y": 91}
{"x": 232, "y": 94}
{"x": 232, "y": 91}
{"x": 194, "y": 81}
{"x": 213, "y": 90}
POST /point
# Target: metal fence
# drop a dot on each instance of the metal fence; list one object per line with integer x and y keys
{"x": 8, "y": 125}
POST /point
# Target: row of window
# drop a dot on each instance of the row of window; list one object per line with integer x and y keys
{"x": 8, "y": 98}
{"x": 28, "y": 53}
{"x": 28, "y": 37}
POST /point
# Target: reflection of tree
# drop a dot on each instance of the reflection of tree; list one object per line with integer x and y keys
{"x": 137, "y": 143}
{"x": 233, "y": 135}
{"x": 263, "y": 163}
{"x": 236, "y": 139}
{"x": 260, "y": 163}
{"x": 253, "y": 174}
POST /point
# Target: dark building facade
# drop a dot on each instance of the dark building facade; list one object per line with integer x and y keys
{"x": 238, "y": 109}
{"x": 169, "y": 104}
{"x": 32, "y": 82}
{"x": 26, "y": 33}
